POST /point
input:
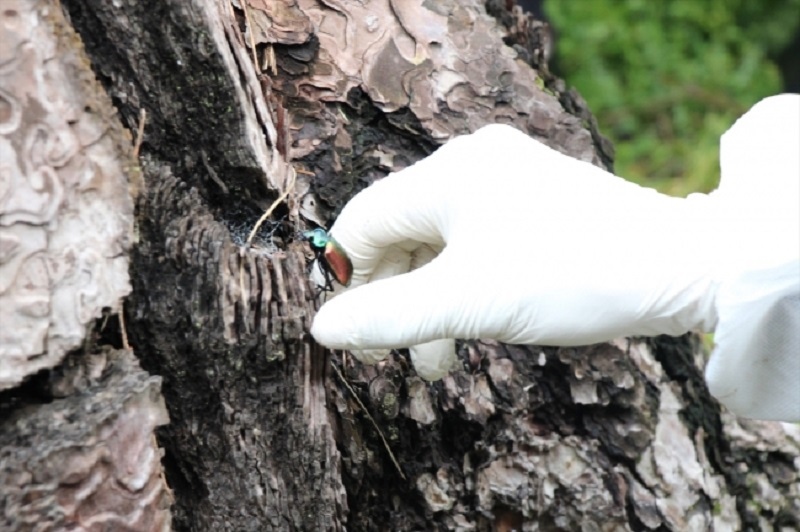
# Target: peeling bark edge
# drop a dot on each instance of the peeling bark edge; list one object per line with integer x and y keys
{"x": 66, "y": 186}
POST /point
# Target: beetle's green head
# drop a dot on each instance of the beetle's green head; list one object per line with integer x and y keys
{"x": 318, "y": 238}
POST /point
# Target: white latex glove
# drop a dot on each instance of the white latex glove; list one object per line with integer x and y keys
{"x": 755, "y": 367}
{"x": 505, "y": 238}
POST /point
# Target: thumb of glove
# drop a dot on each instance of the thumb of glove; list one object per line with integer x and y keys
{"x": 413, "y": 309}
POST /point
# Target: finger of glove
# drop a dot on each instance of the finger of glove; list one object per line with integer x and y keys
{"x": 397, "y": 262}
{"x": 371, "y": 356}
{"x": 423, "y": 305}
{"x": 406, "y": 209}
{"x": 394, "y": 261}
{"x": 766, "y": 137}
{"x": 433, "y": 360}
{"x": 417, "y": 204}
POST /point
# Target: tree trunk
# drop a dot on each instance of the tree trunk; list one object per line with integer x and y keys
{"x": 77, "y": 416}
{"x": 295, "y": 106}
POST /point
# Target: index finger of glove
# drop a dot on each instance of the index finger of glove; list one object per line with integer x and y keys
{"x": 405, "y": 209}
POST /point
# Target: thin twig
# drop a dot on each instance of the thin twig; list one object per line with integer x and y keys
{"x": 139, "y": 133}
{"x": 289, "y": 187}
{"x": 125, "y": 345}
{"x": 273, "y": 63}
{"x": 213, "y": 173}
{"x": 380, "y": 433}
{"x": 245, "y": 296}
{"x": 137, "y": 146}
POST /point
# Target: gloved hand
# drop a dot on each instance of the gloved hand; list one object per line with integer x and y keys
{"x": 497, "y": 236}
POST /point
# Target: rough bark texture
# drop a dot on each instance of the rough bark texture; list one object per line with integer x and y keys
{"x": 66, "y": 212}
{"x": 87, "y": 460}
{"x": 77, "y": 446}
{"x": 270, "y": 432}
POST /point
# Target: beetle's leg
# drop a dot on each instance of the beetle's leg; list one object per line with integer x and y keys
{"x": 326, "y": 273}
{"x": 328, "y": 280}
{"x": 318, "y": 256}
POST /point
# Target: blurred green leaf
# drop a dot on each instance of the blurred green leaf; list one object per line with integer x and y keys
{"x": 666, "y": 79}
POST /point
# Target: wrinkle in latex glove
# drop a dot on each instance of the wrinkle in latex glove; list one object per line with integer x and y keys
{"x": 498, "y": 236}
{"x": 540, "y": 248}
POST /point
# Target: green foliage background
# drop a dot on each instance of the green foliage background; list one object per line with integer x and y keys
{"x": 666, "y": 78}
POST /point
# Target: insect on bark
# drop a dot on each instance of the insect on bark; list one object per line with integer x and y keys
{"x": 331, "y": 257}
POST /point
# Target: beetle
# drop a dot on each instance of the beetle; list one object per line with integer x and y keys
{"x": 331, "y": 257}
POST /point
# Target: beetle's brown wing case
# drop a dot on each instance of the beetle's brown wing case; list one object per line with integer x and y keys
{"x": 338, "y": 262}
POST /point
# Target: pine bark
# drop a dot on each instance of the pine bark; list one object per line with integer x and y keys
{"x": 297, "y": 105}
